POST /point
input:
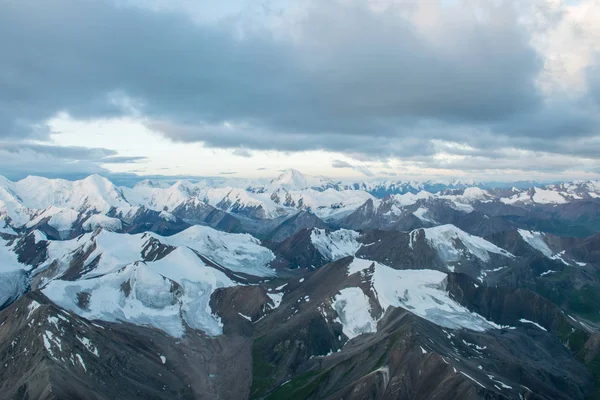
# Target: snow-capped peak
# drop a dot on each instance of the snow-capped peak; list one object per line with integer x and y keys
{"x": 294, "y": 179}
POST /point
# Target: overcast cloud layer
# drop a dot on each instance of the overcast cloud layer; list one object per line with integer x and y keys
{"x": 458, "y": 85}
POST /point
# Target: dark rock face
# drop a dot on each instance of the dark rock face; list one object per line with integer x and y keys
{"x": 407, "y": 358}
{"x": 587, "y": 249}
{"x": 577, "y": 219}
{"x": 298, "y": 349}
{"x": 283, "y": 337}
{"x": 368, "y": 216}
{"x": 149, "y": 220}
{"x": 297, "y": 251}
{"x": 53, "y": 354}
{"x": 294, "y": 224}
{"x": 31, "y": 252}
{"x": 205, "y": 214}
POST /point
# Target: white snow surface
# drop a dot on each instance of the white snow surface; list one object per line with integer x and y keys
{"x": 294, "y": 179}
{"x": 166, "y": 293}
{"x": 326, "y": 204}
{"x": 422, "y": 292}
{"x": 5, "y": 228}
{"x": 13, "y": 280}
{"x": 167, "y": 216}
{"x": 354, "y": 312}
{"x": 526, "y": 321}
{"x": 26, "y": 199}
{"x": 543, "y": 196}
{"x": 163, "y": 294}
{"x": 520, "y": 197}
{"x": 35, "y": 198}
{"x": 536, "y": 240}
{"x": 422, "y": 214}
{"x": 408, "y": 199}
{"x": 335, "y": 245}
{"x": 236, "y": 252}
{"x": 276, "y": 298}
{"x": 102, "y": 221}
{"x": 61, "y": 219}
{"x": 8, "y": 258}
{"x": 93, "y": 192}
{"x": 443, "y": 239}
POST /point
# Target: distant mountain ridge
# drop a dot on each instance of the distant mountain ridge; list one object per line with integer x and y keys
{"x": 84, "y": 205}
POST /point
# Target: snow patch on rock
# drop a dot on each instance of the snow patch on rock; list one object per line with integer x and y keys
{"x": 422, "y": 292}
{"x": 354, "y": 312}
{"x": 335, "y": 245}
{"x": 444, "y": 240}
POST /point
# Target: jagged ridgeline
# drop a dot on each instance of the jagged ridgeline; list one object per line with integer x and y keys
{"x": 299, "y": 288}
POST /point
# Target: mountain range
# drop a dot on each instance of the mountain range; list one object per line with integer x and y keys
{"x": 299, "y": 287}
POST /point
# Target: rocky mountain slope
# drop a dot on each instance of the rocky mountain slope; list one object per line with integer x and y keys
{"x": 298, "y": 288}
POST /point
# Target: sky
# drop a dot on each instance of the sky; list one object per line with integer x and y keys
{"x": 490, "y": 90}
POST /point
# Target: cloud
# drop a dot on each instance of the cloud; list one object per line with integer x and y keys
{"x": 122, "y": 159}
{"x": 377, "y": 83}
{"x": 227, "y": 173}
{"x": 343, "y": 164}
{"x": 242, "y": 152}
{"x": 18, "y": 160}
{"x": 364, "y": 170}
{"x": 71, "y": 152}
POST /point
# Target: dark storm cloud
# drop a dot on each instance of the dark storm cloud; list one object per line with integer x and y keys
{"x": 362, "y": 83}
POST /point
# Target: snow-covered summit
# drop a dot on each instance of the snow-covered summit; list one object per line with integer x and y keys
{"x": 294, "y": 179}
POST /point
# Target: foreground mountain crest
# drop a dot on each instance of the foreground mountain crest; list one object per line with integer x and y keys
{"x": 299, "y": 287}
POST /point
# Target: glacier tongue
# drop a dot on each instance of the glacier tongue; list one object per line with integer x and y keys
{"x": 422, "y": 292}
